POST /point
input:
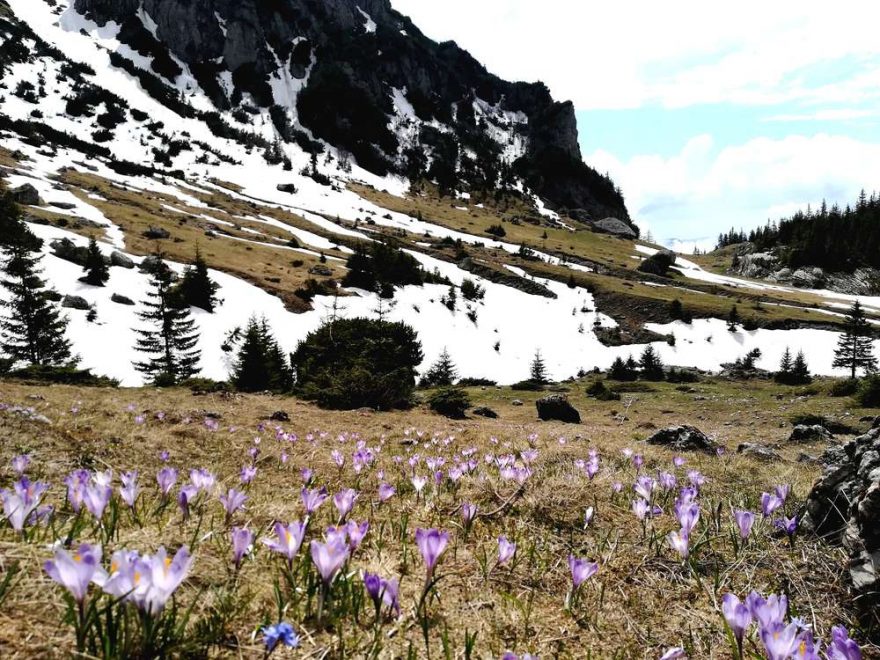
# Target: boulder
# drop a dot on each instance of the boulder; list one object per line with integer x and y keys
{"x": 615, "y": 227}
{"x": 76, "y": 302}
{"x": 66, "y": 206}
{"x": 120, "y": 260}
{"x": 121, "y": 300}
{"x": 808, "y": 278}
{"x": 843, "y": 507}
{"x": 151, "y": 264}
{"x": 484, "y": 411}
{"x": 756, "y": 265}
{"x": 26, "y": 195}
{"x": 157, "y": 233}
{"x": 280, "y": 416}
{"x": 761, "y": 452}
{"x": 320, "y": 269}
{"x": 683, "y": 438}
{"x": 516, "y": 403}
{"x": 286, "y": 188}
{"x": 64, "y": 248}
{"x": 814, "y": 433}
{"x": 556, "y": 407}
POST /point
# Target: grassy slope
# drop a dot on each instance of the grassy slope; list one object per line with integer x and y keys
{"x": 647, "y": 602}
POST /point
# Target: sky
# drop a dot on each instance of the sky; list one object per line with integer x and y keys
{"x": 707, "y": 116}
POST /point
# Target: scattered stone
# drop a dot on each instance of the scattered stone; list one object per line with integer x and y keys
{"x": 844, "y": 506}
{"x": 67, "y": 206}
{"x": 320, "y": 269}
{"x": 157, "y": 233}
{"x": 26, "y": 195}
{"x": 761, "y": 452}
{"x": 66, "y": 249}
{"x": 120, "y": 260}
{"x": 814, "y": 433}
{"x": 286, "y": 188}
{"x": 121, "y": 300}
{"x": 683, "y": 438}
{"x": 557, "y": 408}
{"x": 484, "y": 411}
{"x": 516, "y": 402}
{"x": 806, "y": 458}
{"x": 76, "y": 302}
{"x": 151, "y": 265}
{"x": 280, "y": 416}
{"x": 26, "y": 413}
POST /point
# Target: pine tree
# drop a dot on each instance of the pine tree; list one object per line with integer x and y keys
{"x": 854, "y": 348}
{"x": 651, "y": 365}
{"x": 196, "y": 288}
{"x": 442, "y": 373}
{"x": 800, "y": 372}
{"x": 623, "y": 371}
{"x": 538, "y": 370}
{"x": 96, "y": 269}
{"x": 261, "y": 364}
{"x": 171, "y": 344}
{"x": 33, "y": 331}
{"x": 785, "y": 368}
{"x": 733, "y": 319}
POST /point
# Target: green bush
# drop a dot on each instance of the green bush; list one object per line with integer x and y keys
{"x": 357, "y": 363}
{"x": 682, "y": 376}
{"x": 868, "y": 395}
{"x": 450, "y": 402}
{"x": 64, "y": 375}
{"x": 600, "y": 392}
{"x": 476, "y": 382}
{"x": 527, "y": 386}
{"x": 846, "y": 387}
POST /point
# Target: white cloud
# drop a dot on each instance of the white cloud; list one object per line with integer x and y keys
{"x": 705, "y": 189}
{"x": 632, "y": 53}
{"x": 840, "y": 114}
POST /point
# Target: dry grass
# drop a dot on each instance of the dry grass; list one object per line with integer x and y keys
{"x": 640, "y": 602}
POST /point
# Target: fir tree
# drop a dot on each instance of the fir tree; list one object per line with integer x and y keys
{"x": 785, "y": 368}
{"x": 622, "y": 371}
{"x": 33, "y": 330}
{"x": 538, "y": 370}
{"x": 196, "y": 288}
{"x": 800, "y": 372}
{"x": 97, "y": 272}
{"x": 854, "y": 348}
{"x": 733, "y": 319}
{"x": 651, "y": 365}
{"x": 170, "y": 345}
{"x": 442, "y": 373}
{"x": 261, "y": 364}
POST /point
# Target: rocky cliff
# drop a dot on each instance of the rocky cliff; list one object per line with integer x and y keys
{"x": 361, "y": 77}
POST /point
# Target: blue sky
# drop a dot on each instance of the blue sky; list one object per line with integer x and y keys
{"x": 706, "y": 116}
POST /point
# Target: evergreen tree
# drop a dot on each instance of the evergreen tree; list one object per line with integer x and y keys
{"x": 261, "y": 364}
{"x": 651, "y": 365}
{"x": 33, "y": 331}
{"x": 442, "y": 373}
{"x": 623, "y": 371}
{"x": 96, "y": 269}
{"x": 800, "y": 372}
{"x": 733, "y": 319}
{"x": 785, "y": 368}
{"x": 538, "y": 370}
{"x": 855, "y": 349}
{"x": 171, "y": 344}
{"x": 196, "y": 288}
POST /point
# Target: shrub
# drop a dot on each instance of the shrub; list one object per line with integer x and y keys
{"x": 527, "y": 386}
{"x": 682, "y": 376}
{"x": 847, "y": 387}
{"x": 599, "y": 391}
{"x": 64, "y": 375}
{"x": 496, "y": 230}
{"x": 658, "y": 264}
{"x": 356, "y": 363}
{"x": 476, "y": 382}
{"x": 450, "y": 402}
{"x": 868, "y": 395}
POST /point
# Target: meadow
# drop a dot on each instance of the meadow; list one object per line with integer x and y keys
{"x": 148, "y": 523}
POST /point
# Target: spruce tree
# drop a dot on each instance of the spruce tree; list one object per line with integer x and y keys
{"x": 96, "y": 269}
{"x": 196, "y": 288}
{"x": 442, "y": 373}
{"x": 33, "y": 330}
{"x": 800, "y": 372}
{"x": 171, "y": 344}
{"x": 623, "y": 371}
{"x": 651, "y": 365}
{"x": 261, "y": 364}
{"x": 855, "y": 349}
{"x": 785, "y": 368}
{"x": 733, "y": 319}
{"x": 538, "y": 369}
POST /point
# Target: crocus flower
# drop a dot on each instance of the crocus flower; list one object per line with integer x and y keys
{"x": 289, "y": 539}
{"x": 124, "y": 580}
{"x": 312, "y": 499}
{"x": 506, "y": 550}
{"x": 329, "y": 559}
{"x": 242, "y": 539}
{"x": 374, "y": 587}
{"x": 166, "y": 478}
{"x": 279, "y": 633}
{"x": 675, "y": 653}
{"x": 202, "y": 479}
{"x": 768, "y": 610}
{"x": 680, "y": 542}
{"x": 581, "y": 570}
{"x": 185, "y": 497}
{"x": 688, "y": 515}
{"x": 737, "y": 616}
{"x": 344, "y": 501}
{"x": 780, "y": 640}
{"x": 805, "y": 647}
{"x": 386, "y": 491}
{"x": 468, "y": 513}
{"x": 248, "y": 473}
{"x": 232, "y": 501}
{"x": 842, "y": 647}
{"x": 787, "y": 525}
{"x": 165, "y": 575}
{"x": 678, "y": 461}
{"x": 20, "y": 463}
{"x": 644, "y": 487}
{"x": 76, "y": 483}
{"x": 744, "y": 522}
{"x": 356, "y": 533}
{"x": 22, "y": 501}
{"x": 75, "y": 572}
{"x": 96, "y": 497}
{"x": 782, "y": 491}
{"x": 588, "y": 516}
{"x": 306, "y": 475}
{"x": 418, "y": 483}
{"x": 769, "y": 504}
{"x": 432, "y": 543}
{"x": 130, "y": 489}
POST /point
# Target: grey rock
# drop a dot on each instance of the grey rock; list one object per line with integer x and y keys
{"x": 516, "y": 403}
{"x": 756, "y": 265}
{"x": 556, "y": 407}
{"x": 815, "y": 433}
{"x": 121, "y": 300}
{"x": 286, "y": 188}
{"x": 759, "y": 451}
{"x": 64, "y": 248}
{"x": 615, "y": 227}
{"x": 157, "y": 233}
{"x": 120, "y": 260}
{"x": 484, "y": 411}
{"x": 76, "y": 302}
{"x": 67, "y": 206}
{"x": 683, "y": 438}
{"x": 26, "y": 195}
{"x": 320, "y": 269}
{"x": 280, "y": 416}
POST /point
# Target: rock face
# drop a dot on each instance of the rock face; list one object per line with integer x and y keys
{"x": 844, "y": 507}
{"x": 815, "y": 433}
{"x": 683, "y": 438}
{"x": 355, "y": 57}
{"x": 557, "y": 408}
{"x": 616, "y": 227}
{"x": 26, "y": 195}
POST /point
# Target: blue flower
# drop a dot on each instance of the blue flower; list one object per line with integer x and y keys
{"x": 280, "y": 633}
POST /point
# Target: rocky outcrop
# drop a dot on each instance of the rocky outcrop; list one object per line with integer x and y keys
{"x": 844, "y": 508}
{"x": 615, "y": 227}
{"x": 76, "y": 302}
{"x": 683, "y": 438}
{"x": 26, "y": 195}
{"x": 814, "y": 433}
{"x": 758, "y": 451}
{"x": 556, "y": 407}
{"x": 66, "y": 249}
{"x": 120, "y": 260}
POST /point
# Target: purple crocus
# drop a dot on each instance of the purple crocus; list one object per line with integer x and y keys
{"x": 468, "y": 513}
{"x": 130, "y": 489}
{"x": 737, "y": 616}
{"x": 674, "y": 653}
{"x": 744, "y": 522}
{"x": 356, "y": 533}
{"x": 581, "y": 570}
{"x": 688, "y": 515}
{"x": 164, "y": 575}
{"x": 344, "y": 502}
{"x": 779, "y": 640}
{"x": 432, "y": 543}
{"x": 76, "y": 483}
{"x": 386, "y": 492}
{"x": 22, "y": 501}
{"x": 248, "y": 473}
{"x": 767, "y": 611}
{"x": 506, "y": 550}
{"x": 166, "y": 478}
{"x": 242, "y": 540}
{"x": 782, "y": 491}
{"x": 788, "y": 525}
{"x": 20, "y": 463}
{"x": 232, "y": 501}
{"x": 96, "y": 497}
{"x": 76, "y": 571}
{"x": 769, "y": 504}
{"x": 312, "y": 499}
{"x": 185, "y": 497}
{"x": 842, "y": 647}
{"x": 329, "y": 558}
{"x": 288, "y": 539}
{"x": 680, "y": 542}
